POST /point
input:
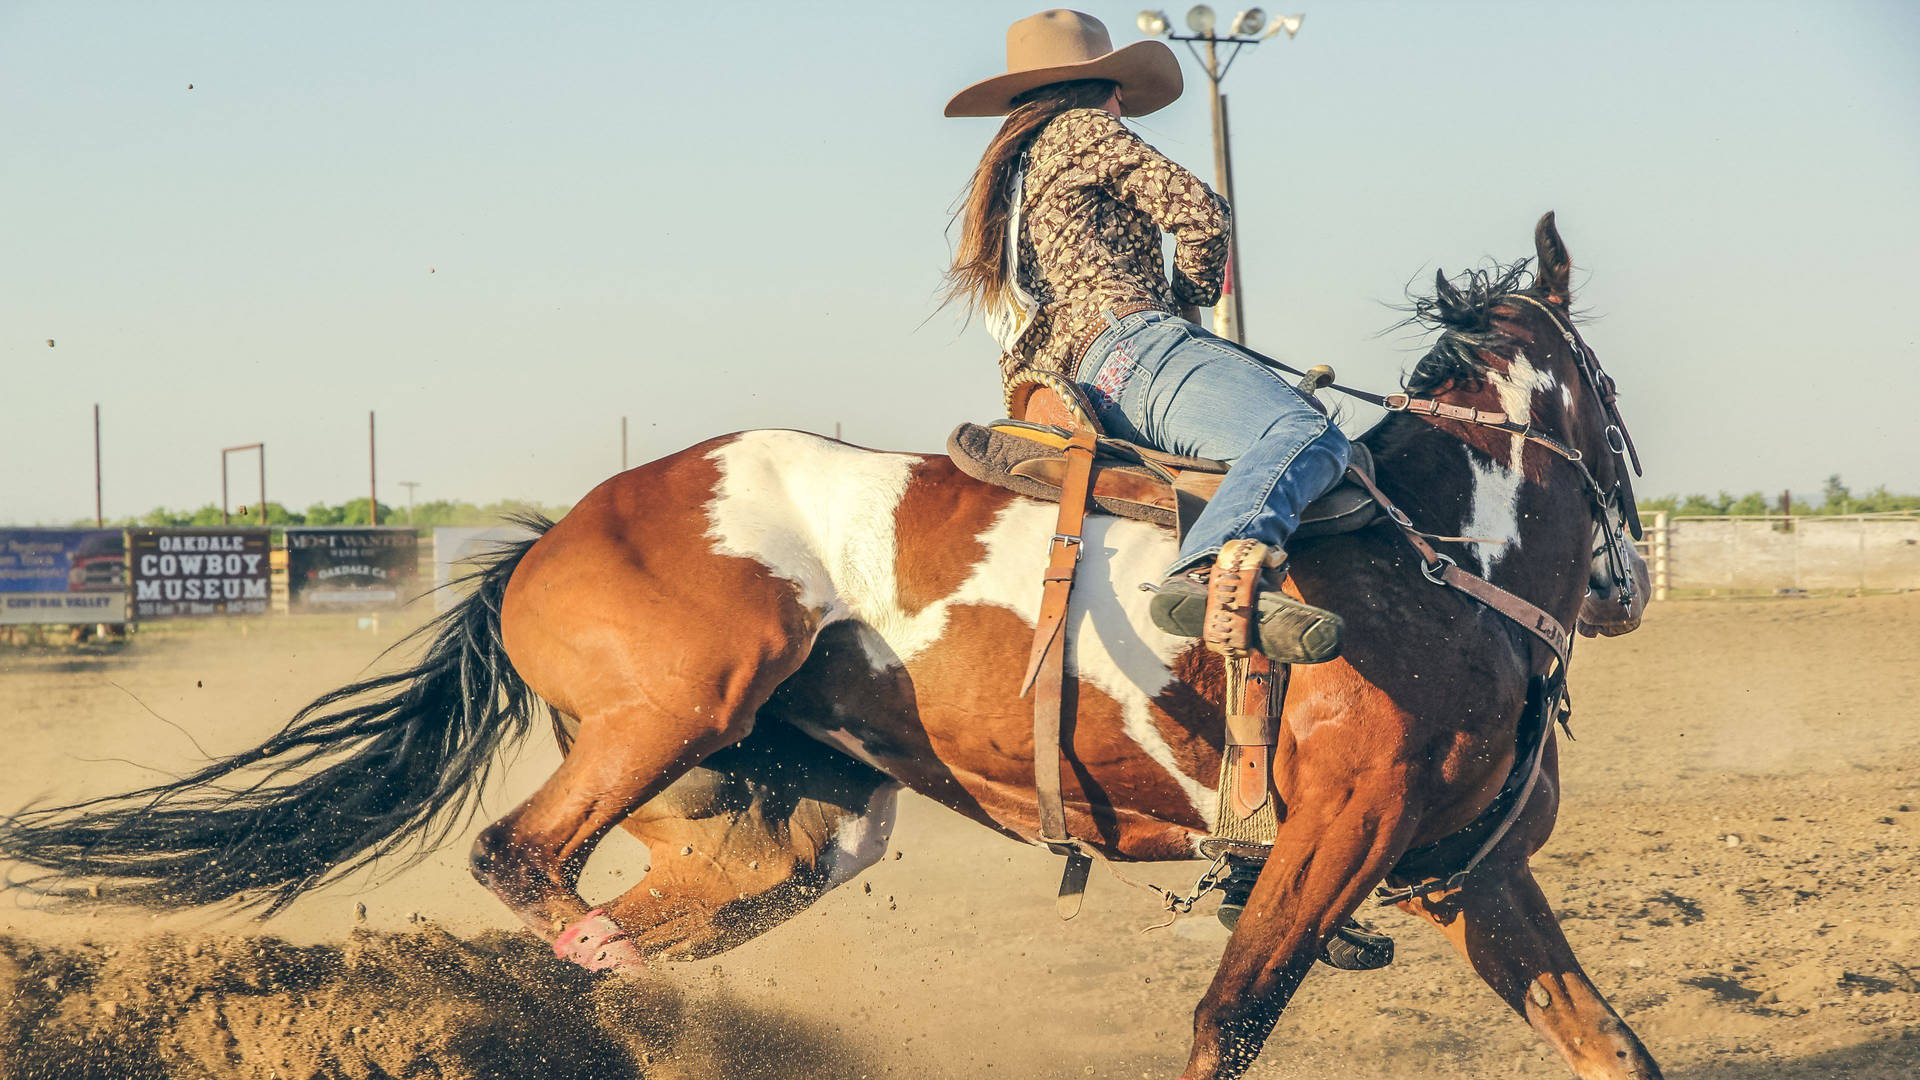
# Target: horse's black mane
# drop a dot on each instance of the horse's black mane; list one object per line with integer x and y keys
{"x": 1461, "y": 308}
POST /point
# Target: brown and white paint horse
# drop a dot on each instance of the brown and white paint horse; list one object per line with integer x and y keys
{"x": 752, "y": 645}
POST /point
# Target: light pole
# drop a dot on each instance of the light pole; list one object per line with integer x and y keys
{"x": 1250, "y": 27}
{"x": 409, "y": 485}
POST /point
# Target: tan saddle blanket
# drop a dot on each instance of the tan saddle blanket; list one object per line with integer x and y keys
{"x": 1132, "y": 481}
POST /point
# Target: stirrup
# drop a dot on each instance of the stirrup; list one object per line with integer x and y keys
{"x": 1353, "y": 945}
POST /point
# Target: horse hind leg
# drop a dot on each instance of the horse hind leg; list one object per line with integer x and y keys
{"x": 626, "y": 752}
{"x": 748, "y": 840}
{"x": 1501, "y": 923}
{"x": 531, "y": 858}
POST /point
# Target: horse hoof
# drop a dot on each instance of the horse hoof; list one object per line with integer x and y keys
{"x": 597, "y": 943}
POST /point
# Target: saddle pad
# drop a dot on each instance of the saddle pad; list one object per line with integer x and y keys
{"x": 999, "y": 457}
{"x": 1133, "y": 481}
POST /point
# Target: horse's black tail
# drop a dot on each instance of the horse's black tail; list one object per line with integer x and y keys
{"x": 359, "y": 774}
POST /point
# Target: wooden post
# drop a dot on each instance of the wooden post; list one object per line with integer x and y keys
{"x": 1863, "y": 554}
{"x": 99, "y": 520}
{"x": 1662, "y": 556}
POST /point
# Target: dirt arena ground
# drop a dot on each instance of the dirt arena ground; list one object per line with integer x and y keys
{"x": 1736, "y": 863}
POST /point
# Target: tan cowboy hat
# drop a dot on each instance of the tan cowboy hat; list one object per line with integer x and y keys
{"x": 1061, "y": 46}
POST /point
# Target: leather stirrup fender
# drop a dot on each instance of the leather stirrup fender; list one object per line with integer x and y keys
{"x": 1046, "y": 671}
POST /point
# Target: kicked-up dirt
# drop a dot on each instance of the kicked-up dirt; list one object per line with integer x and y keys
{"x": 1737, "y": 863}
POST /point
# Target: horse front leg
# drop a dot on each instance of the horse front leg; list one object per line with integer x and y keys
{"x": 1334, "y": 846}
{"x": 1502, "y": 924}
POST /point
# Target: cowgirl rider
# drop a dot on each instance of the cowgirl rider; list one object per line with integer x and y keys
{"x": 1060, "y": 252}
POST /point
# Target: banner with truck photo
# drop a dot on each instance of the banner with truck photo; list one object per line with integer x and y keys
{"x": 188, "y": 573}
{"x": 454, "y": 549}
{"x": 358, "y": 568}
{"x": 63, "y": 576}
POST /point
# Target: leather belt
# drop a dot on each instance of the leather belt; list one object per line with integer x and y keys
{"x": 1083, "y": 341}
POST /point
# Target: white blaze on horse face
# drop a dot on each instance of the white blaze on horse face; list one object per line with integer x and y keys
{"x": 1495, "y": 513}
{"x": 821, "y": 515}
{"x": 1517, "y": 387}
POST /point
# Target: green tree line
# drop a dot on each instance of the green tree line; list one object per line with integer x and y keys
{"x": 1836, "y": 498}
{"x": 425, "y": 516}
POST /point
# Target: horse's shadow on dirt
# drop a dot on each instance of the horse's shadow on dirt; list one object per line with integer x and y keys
{"x": 1893, "y": 1057}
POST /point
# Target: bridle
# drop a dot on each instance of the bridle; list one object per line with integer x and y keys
{"x": 1614, "y": 510}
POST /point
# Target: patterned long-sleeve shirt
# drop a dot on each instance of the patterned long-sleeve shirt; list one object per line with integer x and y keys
{"x": 1097, "y": 198}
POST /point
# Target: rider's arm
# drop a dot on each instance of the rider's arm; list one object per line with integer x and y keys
{"x": 1174, "y": 198}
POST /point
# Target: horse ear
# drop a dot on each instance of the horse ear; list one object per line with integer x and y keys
{"x": 1446, "y": 297}
{"x": 1554, "y": 269}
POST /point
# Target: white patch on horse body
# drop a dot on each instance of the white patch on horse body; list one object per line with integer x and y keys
{"x": 816, "y": 512}
{"x": 821, "y": 514}
{"x": 1495, "y": 512}
{"x": 1112, "y": 642}
{"x": 861, "y": 842}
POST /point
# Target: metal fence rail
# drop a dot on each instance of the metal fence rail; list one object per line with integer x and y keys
{"x": 1780, "y": 554}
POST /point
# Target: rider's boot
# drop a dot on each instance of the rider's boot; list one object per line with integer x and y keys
{"x": 1286, "y": 630}
{"x": 1353, "y": 946}
{"x": 1238, "y": 607}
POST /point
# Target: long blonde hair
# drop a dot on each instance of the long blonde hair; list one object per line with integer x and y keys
{"x": 980, "y": 267}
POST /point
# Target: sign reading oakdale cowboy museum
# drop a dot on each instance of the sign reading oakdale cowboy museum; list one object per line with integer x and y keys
{"x": 351, "y": 568}
{"x": 63, "y": 576}
{"x": 179, "y": 573}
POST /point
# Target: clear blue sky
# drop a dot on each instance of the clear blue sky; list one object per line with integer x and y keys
{"x": 503, "y": 226}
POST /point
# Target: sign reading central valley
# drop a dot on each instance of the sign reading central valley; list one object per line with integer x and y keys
{"x": 351, "y": 568}
{"x": 63, "y": 576}
{"x": 179, "y": 573}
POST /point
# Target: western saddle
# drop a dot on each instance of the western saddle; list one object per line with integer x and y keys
{"x": 1053, "y": 448}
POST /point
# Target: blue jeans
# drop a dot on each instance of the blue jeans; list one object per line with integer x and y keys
{"x": 1161, "y": 381}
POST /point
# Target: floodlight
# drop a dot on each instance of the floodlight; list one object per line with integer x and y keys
{"x": 1289, "y": 23}
{"x": 1200, "y": 20}
{"x": 1152, "y": 23}
{"x": 1249, "y": 22}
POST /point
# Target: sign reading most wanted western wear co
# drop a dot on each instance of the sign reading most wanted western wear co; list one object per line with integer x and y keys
{"x": 179, "y": 573}
{"x": 351, "y": 568}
